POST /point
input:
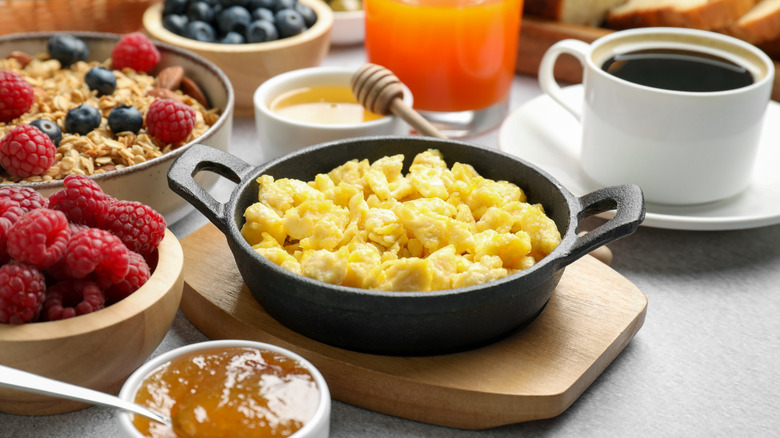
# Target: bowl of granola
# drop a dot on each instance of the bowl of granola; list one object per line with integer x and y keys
{"x": 102, "y": 101}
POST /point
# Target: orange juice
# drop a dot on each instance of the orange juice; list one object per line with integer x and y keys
{"x": 454, "y": 55}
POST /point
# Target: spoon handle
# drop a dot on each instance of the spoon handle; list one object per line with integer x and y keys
{"x": 28, "y": 382}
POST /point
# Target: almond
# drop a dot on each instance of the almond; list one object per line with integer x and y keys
{"x": 22, "y": 57}
{"x": 170, "y": 77}
{"x": 190, "y": 88}
{"x": 163, "y": 93}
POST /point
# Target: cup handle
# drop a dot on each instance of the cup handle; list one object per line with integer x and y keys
{"x": 549, "y": 85}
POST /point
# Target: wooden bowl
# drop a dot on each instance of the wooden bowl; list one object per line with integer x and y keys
{"x": 98, "y": 350}
{"x": 249, "y": 65}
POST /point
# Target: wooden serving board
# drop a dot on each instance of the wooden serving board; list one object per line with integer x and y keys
{"x": 537, "y": 35}
{"x": 535, "y": 373}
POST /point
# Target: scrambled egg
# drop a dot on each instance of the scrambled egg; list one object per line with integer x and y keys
{"x": 368, "y": 225}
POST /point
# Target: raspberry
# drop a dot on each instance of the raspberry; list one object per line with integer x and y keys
{"x": 26, "y": 151}
{"x": 139, "y": 226}
{"x": 22, "y": 291}
{"x": 170, "y": 121}
{"x": 16, "y": 96}
{"x": 5, "y": 225}
{"x": 135, "y": 51}
{"x": 27, "y": 198}
{"x": 39, "y": 238}
{"x": 66, "y": 299}
{"x": 82, "y": 200}
{"x": 98, "y": 251}
{"x": 11, "y": 211}
{"x": 137, "y": 275}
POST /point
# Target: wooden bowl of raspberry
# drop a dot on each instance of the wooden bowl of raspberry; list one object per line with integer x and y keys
{"x": 99, "y": 105}
{"x": 250, "y": 41}
{"x": 89, "y": 286}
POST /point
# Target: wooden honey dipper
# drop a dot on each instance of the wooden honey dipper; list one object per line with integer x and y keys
{"x": 380, "y": 91}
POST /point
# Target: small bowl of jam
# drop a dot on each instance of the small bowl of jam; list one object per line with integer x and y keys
{"x": 314, "y": 105}
{"x": 232, "y": 388}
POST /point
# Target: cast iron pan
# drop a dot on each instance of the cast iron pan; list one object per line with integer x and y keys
{"x": 404, "y": 323}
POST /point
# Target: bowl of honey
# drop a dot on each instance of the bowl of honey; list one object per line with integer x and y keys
{"x": 235, "y": 388}
{"x": 314, "y": 105}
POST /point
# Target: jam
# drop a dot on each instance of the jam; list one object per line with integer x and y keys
{"x": 229, "y": 392}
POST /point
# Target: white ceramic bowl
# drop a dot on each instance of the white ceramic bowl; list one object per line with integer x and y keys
{"x": 280, "y": 135}
{"x": 317, "y": 427}
{"x": 146, "y": 182}
{"x": 348, "y": 28}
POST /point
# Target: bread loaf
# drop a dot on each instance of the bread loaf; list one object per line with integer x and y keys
{"x": 583, "y": 12}
{"x": 697, "y": 14}
{"x": 760, "y": 24}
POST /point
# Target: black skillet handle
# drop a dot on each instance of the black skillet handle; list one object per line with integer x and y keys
{"x": 198, "y": 158}
{"x": 629, "y": 205}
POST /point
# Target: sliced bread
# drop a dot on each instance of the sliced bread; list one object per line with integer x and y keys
{"x": 583, "y": 12}
{"x": 697, "y": 14}
{"x": 760, "y": 24}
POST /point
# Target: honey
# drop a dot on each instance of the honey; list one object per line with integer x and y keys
{"x": 332, "y": 105}
{"x": 236, "y": 392}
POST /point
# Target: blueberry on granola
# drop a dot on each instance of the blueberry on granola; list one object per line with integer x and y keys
{"x": 125, "y": 118}
{"x": 102, "y": 80}
{"x": 82, "y": 119}
{"x": 49, "y": 128}
{"x": 67, "y": 49}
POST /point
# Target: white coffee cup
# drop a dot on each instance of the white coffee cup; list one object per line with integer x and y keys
{"x": 680, "y": 147}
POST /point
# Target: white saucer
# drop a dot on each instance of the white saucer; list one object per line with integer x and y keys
{"x": 545, "y": 134}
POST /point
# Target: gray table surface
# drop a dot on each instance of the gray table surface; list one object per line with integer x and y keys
{"x": 705, "y": 363}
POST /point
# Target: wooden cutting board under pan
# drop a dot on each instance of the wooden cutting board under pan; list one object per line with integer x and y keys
{"x": 535, "y": 373}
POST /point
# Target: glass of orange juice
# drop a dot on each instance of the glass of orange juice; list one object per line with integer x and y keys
{"x": 456, "y": 56}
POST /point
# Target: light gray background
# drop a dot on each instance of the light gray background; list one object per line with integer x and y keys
{"x": 705, "y": 363}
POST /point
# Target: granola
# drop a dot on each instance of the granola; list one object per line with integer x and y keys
{"x": 58, "y": 90}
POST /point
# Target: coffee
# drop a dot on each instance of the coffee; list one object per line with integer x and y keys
{"x": 679, "y": 70}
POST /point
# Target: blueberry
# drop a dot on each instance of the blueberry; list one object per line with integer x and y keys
{"x": 82, "y": 120}
{"x": 309, "y": 17}
{"x": 67, "y": 49}
{"x": 231, "y": 3}
{"x": 102, "y": 80}
{"x": 233, "y": 19}
{"x": 200, "y": 31}
{"x": 263, "y": 14}
{"x": 267, "y": 4}
{"x": 178, "y": 7}
{"x": 289, "y": 23}
{"x": 233, "y": 38}
{"x": 284, "y": 4}
{"x": 49, "y": 128}
{"x": 260, "y": 31}
{"x": 125, "y": 118}
{"x": 175, "y": 23}
{"x": 200, "y": 11}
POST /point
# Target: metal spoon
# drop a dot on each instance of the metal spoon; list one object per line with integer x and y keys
{"x": 24, "y": 381}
